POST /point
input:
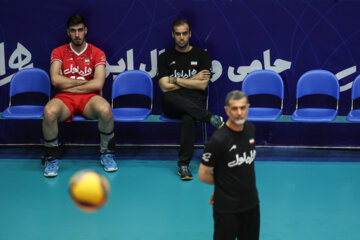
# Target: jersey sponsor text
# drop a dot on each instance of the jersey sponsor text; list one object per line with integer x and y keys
{"x": 87, "y": 70}
{"x": 183, "y": 74}
{"x": 244, "y": 159}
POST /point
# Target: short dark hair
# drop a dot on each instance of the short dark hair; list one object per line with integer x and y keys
{"x": 235, "y": 95}
{"x": 75, "y": 20}
{"x": 179, "y": 22}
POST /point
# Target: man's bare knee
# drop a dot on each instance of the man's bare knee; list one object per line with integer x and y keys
{"x": 105, "y": 112}
{"x": 51, "y": 112}
{"x": 101, "y": 108}
{"x": 56, "y": 110}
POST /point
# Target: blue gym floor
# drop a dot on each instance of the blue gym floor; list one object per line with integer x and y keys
{"x": 305, "y": 195}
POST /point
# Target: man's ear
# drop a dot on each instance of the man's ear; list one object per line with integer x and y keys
{"x": 226, "y": 109}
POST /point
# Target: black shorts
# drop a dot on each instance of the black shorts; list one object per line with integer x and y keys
{"x": 242, "y": 225}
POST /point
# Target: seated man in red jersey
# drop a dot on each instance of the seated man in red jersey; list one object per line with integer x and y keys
{"x": 78, "y": 72}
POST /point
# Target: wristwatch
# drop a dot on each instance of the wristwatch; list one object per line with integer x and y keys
{"x": 175, "y": 80}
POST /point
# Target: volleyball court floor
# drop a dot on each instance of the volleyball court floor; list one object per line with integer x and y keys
{"x": 305, "y": 195}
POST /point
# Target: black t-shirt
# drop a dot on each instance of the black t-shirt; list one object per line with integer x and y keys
{"x": 232, "y": 155}
{"x": 172, "y": 63}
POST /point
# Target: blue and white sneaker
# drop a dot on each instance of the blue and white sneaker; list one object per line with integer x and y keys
{"x": 107, "y": 160}
{"x": 51, "y": 167}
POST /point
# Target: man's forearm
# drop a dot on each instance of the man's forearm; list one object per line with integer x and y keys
{"x": 166, "y": 84}
{"x": 62, "y": 82}
{"x": 88, "y": 87}
{"x": 205, "y": 174}
{"x": 207, "y": 178}
{"x": 192, "y": 83}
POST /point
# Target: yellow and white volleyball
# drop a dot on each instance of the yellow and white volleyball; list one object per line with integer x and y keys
{"x": 89, "y": 190}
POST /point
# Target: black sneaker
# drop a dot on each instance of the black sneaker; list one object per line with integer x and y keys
{"x": 216, "y": 121}
{"x": 184, "y": 173}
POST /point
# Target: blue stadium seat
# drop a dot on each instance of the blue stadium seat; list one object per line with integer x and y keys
{"x": 264, "y": 82}
{"x": 132, "y": 82}
{"x": 316, "y": 82}
{"x": 354, "y": 114}
{"x": 29, "y": 80}
{"x": 78, "y": 118}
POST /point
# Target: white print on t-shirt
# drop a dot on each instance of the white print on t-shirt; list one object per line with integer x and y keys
{"x": 206, "y": 157}
{"x": 232, "y": 148}
{"x": 243, "y": 159}
{"x": 87, "y": 70}
{"x": 182, "y": 74}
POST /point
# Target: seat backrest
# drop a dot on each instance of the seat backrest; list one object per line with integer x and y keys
{"x": 318, "y": 82}
{"x": 30, "y": 80}
{"x": 132, "y": 82}
{"x": 263, "y": 82}
{"x": 355, "y": 91}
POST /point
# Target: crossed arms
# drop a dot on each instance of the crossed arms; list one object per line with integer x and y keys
{"x": 199, "y": 82}
{"x": 70, "y": 85}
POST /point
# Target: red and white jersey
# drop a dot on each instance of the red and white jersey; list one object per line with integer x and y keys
{"x": 78, "y": 65}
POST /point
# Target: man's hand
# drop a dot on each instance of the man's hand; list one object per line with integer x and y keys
{"x": 166, "y": 84}
{"x": 94, "y": 85}
{"x": 199, "y": 81}
{"x": 203, "y": 75}
{"x": 211, "y": 201}
{"x": 173, "y": 80}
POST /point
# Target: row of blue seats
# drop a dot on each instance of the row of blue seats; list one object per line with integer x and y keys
{"x": 35, "y": 80}
{"x": 310, "y": 83}
{"x": 139, "y": 82}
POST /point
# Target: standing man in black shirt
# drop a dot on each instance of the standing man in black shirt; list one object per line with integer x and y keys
{"x": 184, "y": 74}
{"x": 230, "y": 154}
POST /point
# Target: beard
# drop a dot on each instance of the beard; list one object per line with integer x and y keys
{"x": 77, "y": 43}
{"x": 239, "y": 122}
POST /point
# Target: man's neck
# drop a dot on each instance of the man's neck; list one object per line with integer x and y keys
{"x": 78, "y": 49}
{"x": 234, "y": 127}
{"x": 183, "y": 50}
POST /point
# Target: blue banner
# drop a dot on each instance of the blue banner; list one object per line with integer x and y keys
{"x": 289, "y": 37}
